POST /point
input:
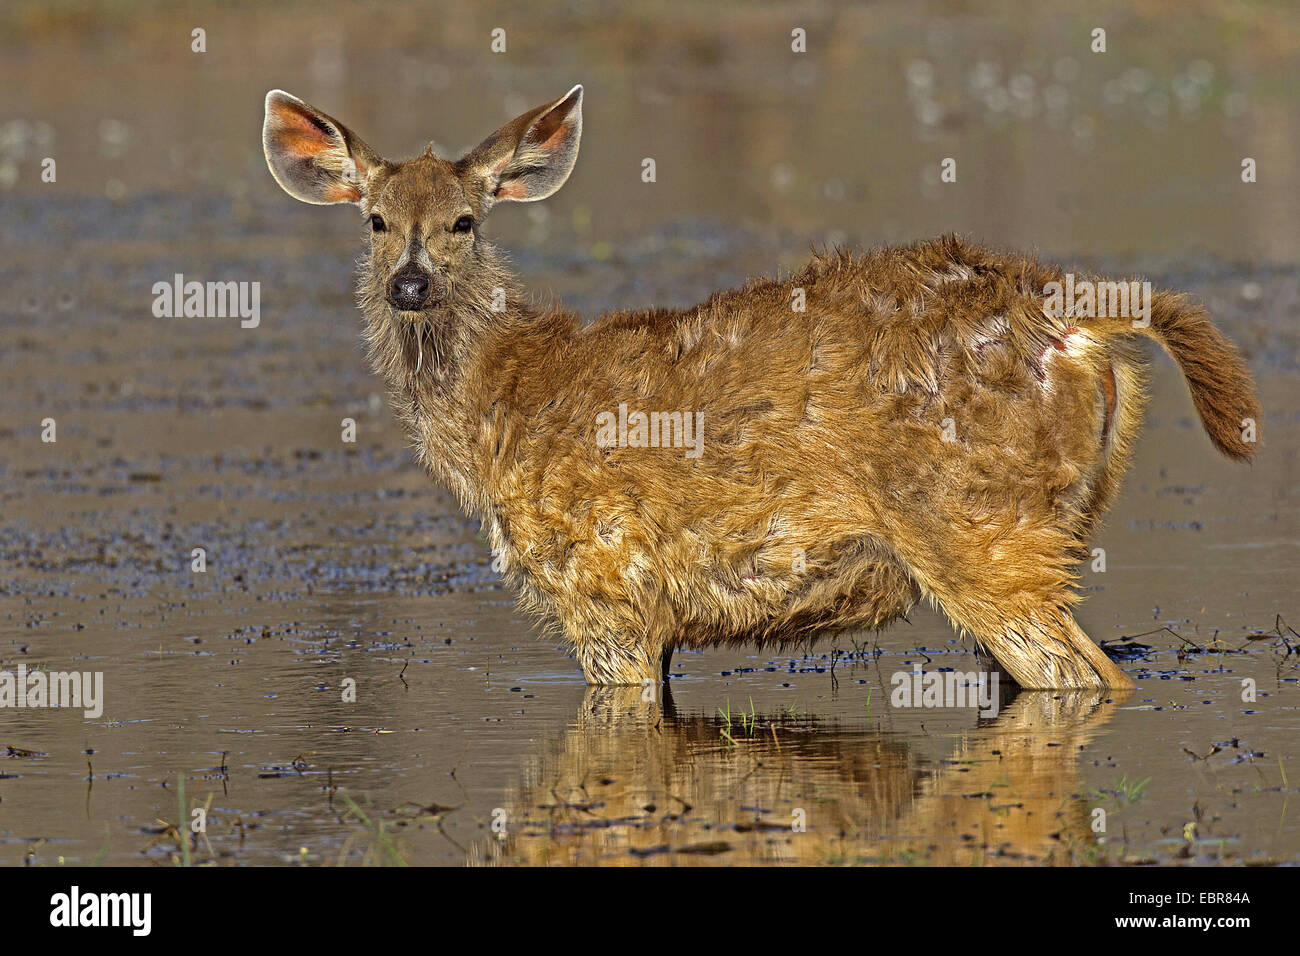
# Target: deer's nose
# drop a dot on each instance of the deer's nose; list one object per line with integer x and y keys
{"x": 409, "y": 289}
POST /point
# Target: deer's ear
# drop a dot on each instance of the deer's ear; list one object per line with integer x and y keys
{"x": 312, "y": 156}
{"x": 531, "y": 156}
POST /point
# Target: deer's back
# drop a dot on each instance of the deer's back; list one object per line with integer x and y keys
{"x": 918, "y": 389}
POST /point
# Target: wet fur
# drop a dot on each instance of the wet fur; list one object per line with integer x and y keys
{"x": 923, "y": 430}
{"x": 823, "y": 439}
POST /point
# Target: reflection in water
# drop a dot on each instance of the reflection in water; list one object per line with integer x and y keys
{"x": 634, "y": 782}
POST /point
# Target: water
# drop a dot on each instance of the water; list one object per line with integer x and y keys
{"x": 471, "y": 738}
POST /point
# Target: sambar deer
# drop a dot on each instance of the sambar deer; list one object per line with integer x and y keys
{"x": 879, "y": 428}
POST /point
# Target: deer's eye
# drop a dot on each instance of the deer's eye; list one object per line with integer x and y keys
{"x": 377, "y": 223}
{"x": 463, "y": 224}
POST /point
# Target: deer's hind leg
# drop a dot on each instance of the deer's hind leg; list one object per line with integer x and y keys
{"x": 1010, "y": 590}
{"x": 1046, "y": 651}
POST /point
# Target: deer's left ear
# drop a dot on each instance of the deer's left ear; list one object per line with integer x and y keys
{"x": 312, "y": 156}
{"x": 531, "y": 156}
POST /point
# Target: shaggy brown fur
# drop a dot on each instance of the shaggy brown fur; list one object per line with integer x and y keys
{"x": 923, "y": 428}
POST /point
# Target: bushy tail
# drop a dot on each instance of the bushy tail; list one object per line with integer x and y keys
{"x": 1223, "y": 389}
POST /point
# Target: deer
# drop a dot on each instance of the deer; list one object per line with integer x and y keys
{"x": 886, "y": 427}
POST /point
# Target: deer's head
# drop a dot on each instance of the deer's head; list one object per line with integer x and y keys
{"x": 426, "y": 256}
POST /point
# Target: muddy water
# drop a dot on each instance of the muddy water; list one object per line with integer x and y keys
{"x": 334, "y": 565}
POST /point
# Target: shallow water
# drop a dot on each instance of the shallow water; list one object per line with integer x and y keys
{"x": 471, "y": 738}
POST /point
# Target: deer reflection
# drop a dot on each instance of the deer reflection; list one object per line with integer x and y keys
{"x": 632, "y": 782}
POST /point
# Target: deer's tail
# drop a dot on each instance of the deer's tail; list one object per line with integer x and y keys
{"x": 1222, "y": 388}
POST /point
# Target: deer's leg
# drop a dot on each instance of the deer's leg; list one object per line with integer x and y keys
{"x": 612, "y": 661}
{"x": 628, "y": 642}
{"x": 1045, "y": 650}
{"x": 623, "y": 658}
{"x": 1011, "y": 593}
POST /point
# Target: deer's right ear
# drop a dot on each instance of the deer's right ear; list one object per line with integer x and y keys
{"x": 312, "y": 156}
{"x": 531, "y": 156}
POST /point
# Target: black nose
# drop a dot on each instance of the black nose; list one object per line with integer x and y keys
{"x": 410, "y": 289}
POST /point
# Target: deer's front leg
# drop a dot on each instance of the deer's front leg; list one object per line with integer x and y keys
{"x": 619, "y": 633}
{"x": 622, "y": 658}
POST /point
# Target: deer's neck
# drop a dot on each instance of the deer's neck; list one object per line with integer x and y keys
{"x": 457, "y": 383}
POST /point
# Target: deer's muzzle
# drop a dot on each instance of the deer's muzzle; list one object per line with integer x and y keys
{"x": 413, "y": 288}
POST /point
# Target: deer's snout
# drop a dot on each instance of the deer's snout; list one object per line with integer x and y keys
{"x": 410, "y": 287}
